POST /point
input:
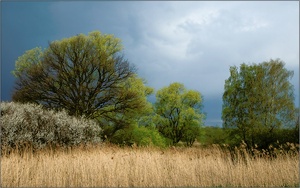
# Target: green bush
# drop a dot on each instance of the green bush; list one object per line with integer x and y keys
{"x": 191, "y": 134}
{"x": 141, "y": 136}
{"x": 261, "y": 139}
{"x": 276, "y": 138}
{"x": 30, "y": 124}
{"x": 144, "y": 136}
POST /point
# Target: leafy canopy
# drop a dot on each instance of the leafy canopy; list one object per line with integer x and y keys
{"x": 179, "y": 112}
{"x": 258, "y": 98}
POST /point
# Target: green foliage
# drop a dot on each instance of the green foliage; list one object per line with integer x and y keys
{"x": 218, "y": 135}
{"x": 134, "y": 93}
{"x": 141, "y": 136}
{"x": 214, "y": 135}
{"x": 281, "y": 136}
{"x": 29, "y": 124}
{"x": 191, "y": 134}
{"x": 258, "y": 99}
{"x": 25, "y": 62}
{"x": 179, "y": 113}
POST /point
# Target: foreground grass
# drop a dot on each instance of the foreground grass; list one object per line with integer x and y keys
{"x": 111, "y": 166}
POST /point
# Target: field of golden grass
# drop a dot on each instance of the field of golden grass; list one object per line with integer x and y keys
{"x": 112, "y": 166}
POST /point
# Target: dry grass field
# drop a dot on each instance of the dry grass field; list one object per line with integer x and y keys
{"x": 112, "y": 166}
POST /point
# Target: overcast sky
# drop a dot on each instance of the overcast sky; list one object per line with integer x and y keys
{"x": 194, "y": 43}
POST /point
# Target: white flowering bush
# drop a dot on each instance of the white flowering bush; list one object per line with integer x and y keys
{"x": 30, "y": 124}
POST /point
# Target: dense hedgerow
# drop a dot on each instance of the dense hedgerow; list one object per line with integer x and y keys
{"x": 30, "y": 124}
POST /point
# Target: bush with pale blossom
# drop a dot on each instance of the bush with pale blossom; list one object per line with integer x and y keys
{"x": 30, "y": 124}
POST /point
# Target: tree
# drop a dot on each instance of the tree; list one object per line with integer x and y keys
{"x": 86, "y": 74}
{"x": 191, "y": 133}
{"x": 258, "y": 99}
{"x": 179, "y": 112}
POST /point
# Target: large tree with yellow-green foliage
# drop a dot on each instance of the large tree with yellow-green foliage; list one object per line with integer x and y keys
{"x": 258, "y": 100}
{"x": 179, "y": 113}
{"x": 86, "y": 75}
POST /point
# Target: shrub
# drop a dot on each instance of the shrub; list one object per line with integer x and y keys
{"x": 141, "y": 136}
{"x": 144, "y": 136}
{"x": 30, "y": 124}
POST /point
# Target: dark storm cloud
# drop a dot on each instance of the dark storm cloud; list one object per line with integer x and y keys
{"x": 194, "y": 43}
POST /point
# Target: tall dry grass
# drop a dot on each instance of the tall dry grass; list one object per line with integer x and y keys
{"x": 112, "y": 166}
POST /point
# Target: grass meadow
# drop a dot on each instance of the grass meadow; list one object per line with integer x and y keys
{"x": 113, "y": 166}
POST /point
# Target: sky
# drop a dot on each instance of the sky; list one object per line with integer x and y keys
{"x": 193, "y": 43}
